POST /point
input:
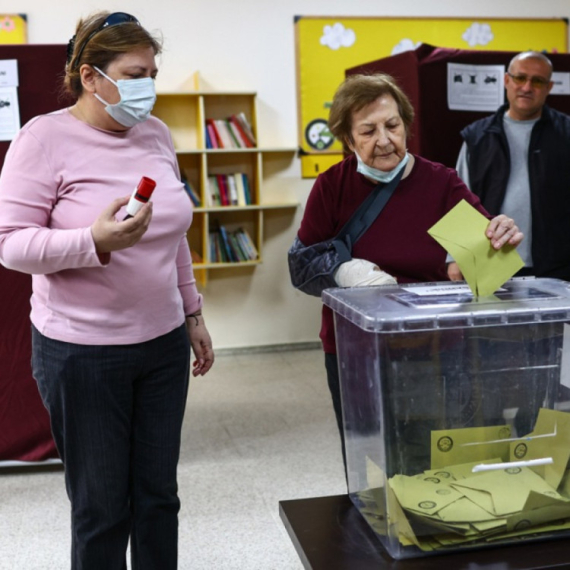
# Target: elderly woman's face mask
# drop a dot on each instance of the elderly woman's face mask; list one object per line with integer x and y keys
{"x": 379, "y": 134}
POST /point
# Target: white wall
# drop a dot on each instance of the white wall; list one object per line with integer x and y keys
{"x": 249, "y": 45}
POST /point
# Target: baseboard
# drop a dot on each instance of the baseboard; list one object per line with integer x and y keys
{"x": 268, "y": 348}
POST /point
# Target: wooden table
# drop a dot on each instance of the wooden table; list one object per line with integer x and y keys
{"x": 330, "y": 534}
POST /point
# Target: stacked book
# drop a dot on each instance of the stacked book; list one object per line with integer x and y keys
{"x": 231, "y": 247}
{"x": 233, "y": 132}
{"x": 193, "y": 195}
{"x": 229, "y": 190}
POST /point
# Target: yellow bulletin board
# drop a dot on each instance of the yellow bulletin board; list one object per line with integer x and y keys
{"x": 327, "y": 46}
{"x": 13, "y": 29}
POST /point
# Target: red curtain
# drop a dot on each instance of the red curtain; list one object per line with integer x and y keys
{"x": 24, "y": 424}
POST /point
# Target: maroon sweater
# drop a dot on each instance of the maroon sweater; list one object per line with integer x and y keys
{"x": 397, "y": 241}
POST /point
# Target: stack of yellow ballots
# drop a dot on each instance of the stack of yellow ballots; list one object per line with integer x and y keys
{"x": 452, "y": 506}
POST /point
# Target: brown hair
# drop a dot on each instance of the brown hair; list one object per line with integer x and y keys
{"x": 100, "y": 48}
{"x": 357, "y": 91}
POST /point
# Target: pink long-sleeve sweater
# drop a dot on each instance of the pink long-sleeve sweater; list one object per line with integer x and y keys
{"x": 58, "y": 176}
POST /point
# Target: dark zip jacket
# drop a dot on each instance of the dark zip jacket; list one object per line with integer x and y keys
{"x": 549, "y": 172}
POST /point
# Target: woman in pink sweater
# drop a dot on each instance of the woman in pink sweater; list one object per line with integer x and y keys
{"x": 115, "y": 307}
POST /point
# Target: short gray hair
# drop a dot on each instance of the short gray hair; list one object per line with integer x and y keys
{"x": 531, "y": 55}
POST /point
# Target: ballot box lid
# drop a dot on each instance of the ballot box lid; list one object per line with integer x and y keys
{"x": 445, "y": 305}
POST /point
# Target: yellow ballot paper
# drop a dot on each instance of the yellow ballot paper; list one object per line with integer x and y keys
{"x": 550, "y": 438}
{"x": 462, "y": 233}
{"x": 467, "y": 445}
{"x": 384, "y": 496}
{"x": 507, "y": 489}
{"x": 456, "y": 472}
{"x": 533, "y": 515}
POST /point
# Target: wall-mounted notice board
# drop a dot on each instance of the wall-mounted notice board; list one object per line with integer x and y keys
{"x": 327, "y": 46}
{"x": 13, "y": 29}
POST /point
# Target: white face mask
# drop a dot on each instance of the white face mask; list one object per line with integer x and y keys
{"x": 137, "y": 100}
{"x": 380, "y": 175}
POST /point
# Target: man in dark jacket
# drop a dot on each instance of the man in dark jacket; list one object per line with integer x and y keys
{"x": 518, "y": 162}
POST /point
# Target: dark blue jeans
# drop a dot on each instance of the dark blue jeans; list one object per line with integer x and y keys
{"x": 116, "y": 416}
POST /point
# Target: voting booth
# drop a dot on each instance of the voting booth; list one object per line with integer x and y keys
{"x": 25, "y": 434}
{"x": 451, "y": 88}
{"x": 456, "y": 412}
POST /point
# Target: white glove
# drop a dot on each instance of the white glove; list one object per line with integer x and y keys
{"x": 359, "y": 273}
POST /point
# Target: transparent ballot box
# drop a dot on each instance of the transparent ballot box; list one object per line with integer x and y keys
{"x": 456, "y": 412}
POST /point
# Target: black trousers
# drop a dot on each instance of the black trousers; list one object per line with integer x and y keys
{"x": 116, "y": 416}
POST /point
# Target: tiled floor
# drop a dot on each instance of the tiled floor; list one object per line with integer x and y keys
{"x": 259, "y": 429}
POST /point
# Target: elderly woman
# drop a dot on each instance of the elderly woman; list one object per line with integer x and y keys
{"x": 372, "y": 117}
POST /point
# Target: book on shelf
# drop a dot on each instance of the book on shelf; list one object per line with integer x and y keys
{"x": 246, "y": 127}
{"x": 223, "y": 189}
{"x": 247, "y": 243}
{"x": 236, "y": 143}
{"x": 240, "y": 189}
{"x": 232, "y": 132}
{"x": 237, "y": 136}
{"x": 213, "y": 140}
{"x": 224, "y": 133}
{"x": 232, "y": 190}
{"x": 215, "y": 137}
{"x": 230, "y": 247}
{"x": 246, "y": 189}
{"x": 191, "y": 192}
{"x": 207, "y": 138}
{"x": 214, "y": 249}
{"x": 230, "y": 255}
{"x": 228, "y": 189}
{"x": 236, "y": 247}
{"x": 213, "y": 192}
{"x": 239, "y": 132}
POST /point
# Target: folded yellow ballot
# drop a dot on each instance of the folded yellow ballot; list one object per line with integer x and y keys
{"x": 450, "y": 506}
{"x": 539, "y": 509}
{"x": 464, "y": 509}
{"x": 508, "y": 488}
{"x": 461, "y": 232}
{"x": 422, "y": 496}
{"x": 395, "y": 516}
{"x": 550, "y": 438}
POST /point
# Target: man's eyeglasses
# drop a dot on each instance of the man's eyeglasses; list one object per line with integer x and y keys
{"x": 114, "y": 19}
{"x": 536, "y": 82}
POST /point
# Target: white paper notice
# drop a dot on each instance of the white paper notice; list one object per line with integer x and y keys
{"x": 561, "y": 80}
{"x": 451, "y": 289}
{"x": 440, "y": 290}
{"x": 565, "y": 364}
{"x": 475, "y": 87}
{"x": 9, "y": 73}
{"x": 9, "y": 113}
{"x": 9, "y": 106}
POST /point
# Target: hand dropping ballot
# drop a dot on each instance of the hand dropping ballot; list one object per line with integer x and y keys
{"x": 461, "y": 232}
{"x": 140, "y": 196}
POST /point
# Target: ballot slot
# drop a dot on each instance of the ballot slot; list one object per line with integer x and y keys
{"x": 450, "y": 297}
